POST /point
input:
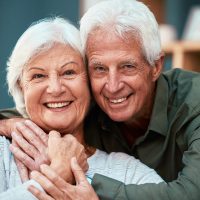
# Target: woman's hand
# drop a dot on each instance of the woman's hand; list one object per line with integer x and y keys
{"x": 57, "y": 188}
{"x": 60, "y": 152}
{"x": 29, "y": 145}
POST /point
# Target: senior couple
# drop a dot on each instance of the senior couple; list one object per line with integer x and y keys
{"x": 139, "y": 110}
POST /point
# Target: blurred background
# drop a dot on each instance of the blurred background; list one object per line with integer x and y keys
{"x": 179, "y": 22}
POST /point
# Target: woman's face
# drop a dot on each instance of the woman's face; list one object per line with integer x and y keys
{"x": 55, "y": 89}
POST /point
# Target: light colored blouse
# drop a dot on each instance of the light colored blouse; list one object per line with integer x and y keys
{"x": 119, "y": 166}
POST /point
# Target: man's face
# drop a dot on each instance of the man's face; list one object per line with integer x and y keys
{"x": 122, "y": 81}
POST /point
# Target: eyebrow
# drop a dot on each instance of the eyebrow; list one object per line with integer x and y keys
{"x": 67, "y": 63}
{"x": 95, "y": 62}
{"x": 131, "y": 61}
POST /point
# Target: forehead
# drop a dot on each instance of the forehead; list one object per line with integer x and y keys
{"x": 56, "y": 53}
{"x": 107, "y": 42}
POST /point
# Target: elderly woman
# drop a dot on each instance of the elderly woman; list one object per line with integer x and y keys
{"x": 48, "y": 81}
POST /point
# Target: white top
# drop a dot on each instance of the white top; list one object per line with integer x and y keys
{"x": 119, "y": 166}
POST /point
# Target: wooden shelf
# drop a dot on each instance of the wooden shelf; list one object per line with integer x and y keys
{"x": 185, "y": 54}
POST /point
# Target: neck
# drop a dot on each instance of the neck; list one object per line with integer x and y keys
{"x": 136, "y": 127}
{"x": 78, "y": 133}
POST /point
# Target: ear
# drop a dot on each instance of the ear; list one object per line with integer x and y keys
{"x": 158, "y": 67}
{"x": 20, "y": 85}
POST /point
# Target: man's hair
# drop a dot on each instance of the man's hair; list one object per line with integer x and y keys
{"x": 125, "y": 17}
{"x": 39, "y": 37}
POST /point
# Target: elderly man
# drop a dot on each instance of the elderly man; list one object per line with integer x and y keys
{"x": 152, "y": 115}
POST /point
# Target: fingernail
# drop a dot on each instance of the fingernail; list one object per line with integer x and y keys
{"x": 13, "y": 133}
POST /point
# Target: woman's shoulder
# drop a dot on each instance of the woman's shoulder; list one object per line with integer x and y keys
{"x": 9, "y": 174}
{"x": 4, "y": 144}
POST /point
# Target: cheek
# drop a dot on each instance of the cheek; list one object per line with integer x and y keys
{"x": 97, "y": 85}
{"x": 32, "y": 98}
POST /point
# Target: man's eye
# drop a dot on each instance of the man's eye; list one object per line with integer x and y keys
{"x": 38, "y": 76}
{"x": 99, "y": 69}
{"x": 128, "y": 66}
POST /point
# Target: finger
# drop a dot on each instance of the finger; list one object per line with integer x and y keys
{"x": 46, "y": 184}
{"x": 38, "y": 131}
{"x": 23, "y": 170}
{"x": 78, "y": 172}
{"x": 39, "y": 194}
{"x": 53, "y": 176}
{"x": 60, "y": 183}
{"x": 24, "y": 145}
{"x": 53, "y": 136}
{"x": 83, "y": 161}
{"x": 30, "y": 135}
{"x": 24, "y": 158}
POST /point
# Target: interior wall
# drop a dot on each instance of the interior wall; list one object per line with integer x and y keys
{"x": 15, "y": 17}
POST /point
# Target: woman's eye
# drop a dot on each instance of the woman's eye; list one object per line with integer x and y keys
{"x": 38, "y": 76}
{"x": 69, "y": 72}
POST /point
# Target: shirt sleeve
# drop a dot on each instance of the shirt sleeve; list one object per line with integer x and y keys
{"x": 186, "y": 186}
{"x": 20, "y": 192}
{"x": 8, "y": 113}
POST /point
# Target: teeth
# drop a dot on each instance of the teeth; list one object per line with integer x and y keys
{"x": 58, "y": 105}
{"x": 117, "y": 100}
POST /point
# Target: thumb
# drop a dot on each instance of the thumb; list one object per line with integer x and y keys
{"x": 77, "y": 171}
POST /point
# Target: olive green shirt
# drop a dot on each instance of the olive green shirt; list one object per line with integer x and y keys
{"x": 171, "y": 145}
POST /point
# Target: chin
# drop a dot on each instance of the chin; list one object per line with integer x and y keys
{"x": 119, "y": 117}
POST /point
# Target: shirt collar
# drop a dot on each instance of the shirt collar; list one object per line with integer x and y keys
{"x": 159, "y": 120}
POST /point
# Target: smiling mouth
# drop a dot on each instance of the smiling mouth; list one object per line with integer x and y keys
{"x": 118, "y": 100}
{"x": 58, "y": 104}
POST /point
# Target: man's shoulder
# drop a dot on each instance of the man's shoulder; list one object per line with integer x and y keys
{"x": 183, "y": 87}
{"x": 178, "y": 77}
{"x": 8, "y": 113}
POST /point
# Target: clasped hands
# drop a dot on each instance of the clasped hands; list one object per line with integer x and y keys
{"x": 55, "y": 162}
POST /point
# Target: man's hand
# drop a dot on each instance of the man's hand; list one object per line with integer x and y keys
{"x": 56, "y": 188}
{"x": 7, "y": 126}
{"x": 30, "y": 145}
{"x": 60, "y": 152}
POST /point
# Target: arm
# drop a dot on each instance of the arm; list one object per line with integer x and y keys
{"x": 8, "y": 117}
{"x": 186, "y": 186}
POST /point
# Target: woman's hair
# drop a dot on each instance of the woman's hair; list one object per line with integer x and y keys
{"x": 39, "y": 37}
{"x": 125, "y": 17}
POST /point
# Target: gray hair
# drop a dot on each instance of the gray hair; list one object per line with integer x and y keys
{"x": 39, "y": 37}
{"x": 125, "y": 16}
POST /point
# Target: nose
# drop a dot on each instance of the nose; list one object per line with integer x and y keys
{"x": 114, "y": 82}
{"x": 55, "y": 86}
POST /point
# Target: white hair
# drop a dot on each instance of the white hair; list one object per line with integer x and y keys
{"x": 125, "y": 16}
{"x": 39, "y": 37}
